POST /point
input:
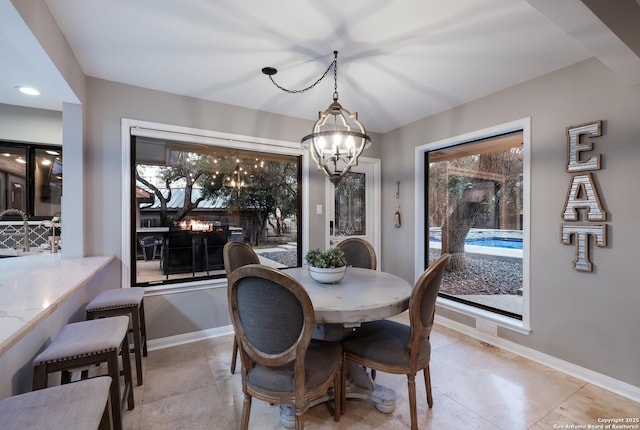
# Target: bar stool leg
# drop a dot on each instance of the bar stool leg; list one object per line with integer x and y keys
{"x": 137, "y": 340}
{"x": 143, "y": 328}
{"x": 126, "y": 365}
{"x": 114, "y": 372}
{"x": 40, "y": 377}
{"x": 106, "y": 423}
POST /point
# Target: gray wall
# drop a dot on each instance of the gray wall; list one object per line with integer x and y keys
{"x": 23, "y": 124}
{"x": 590, "y": 319}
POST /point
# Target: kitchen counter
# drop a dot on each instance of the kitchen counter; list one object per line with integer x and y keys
{"x": 33, "y": 287}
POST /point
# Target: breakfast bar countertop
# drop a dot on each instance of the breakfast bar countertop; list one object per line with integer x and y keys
{"x": 32, "y": 287}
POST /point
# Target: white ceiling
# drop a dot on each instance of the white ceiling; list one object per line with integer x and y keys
{"x": 399, "y": 60}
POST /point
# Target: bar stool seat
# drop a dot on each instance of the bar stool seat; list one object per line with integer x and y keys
{"x": 124, "y": 301}
{"x": 79, "y": 406}
{"x": 89, "y": 343}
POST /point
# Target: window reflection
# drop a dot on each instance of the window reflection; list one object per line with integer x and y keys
{"x": 13, "y": 178}
{"x": 31, "y": 178}
{"x": 48, "y": 182}
{"x": 350, "y": 205}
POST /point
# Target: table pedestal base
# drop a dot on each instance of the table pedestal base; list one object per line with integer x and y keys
{"x": 359, "y": 386}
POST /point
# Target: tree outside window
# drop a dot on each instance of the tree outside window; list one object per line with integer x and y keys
{"x": 241, "y": 195}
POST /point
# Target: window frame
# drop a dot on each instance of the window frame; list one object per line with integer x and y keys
{"x": 131, "y": 127}
{"x": 421, "y": 227}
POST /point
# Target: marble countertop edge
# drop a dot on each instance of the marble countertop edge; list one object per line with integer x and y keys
{"x": 50, "y": 264}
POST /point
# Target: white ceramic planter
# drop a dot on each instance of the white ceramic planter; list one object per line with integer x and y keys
{"x": 329, "y": 275}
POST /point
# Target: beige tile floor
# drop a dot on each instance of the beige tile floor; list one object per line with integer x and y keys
{"x": 475, "y": 386}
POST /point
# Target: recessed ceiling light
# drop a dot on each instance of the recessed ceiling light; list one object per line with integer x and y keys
{"x": 28, "y": 90}
{"x": 51, "y": 152}
{"x": 21, "y": 161}
{"x": 46, "y": 162}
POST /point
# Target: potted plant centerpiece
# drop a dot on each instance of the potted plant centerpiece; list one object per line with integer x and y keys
{"x": 328, "y": 266}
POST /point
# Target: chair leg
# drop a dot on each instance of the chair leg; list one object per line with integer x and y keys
{"x": 235, "y": 355}
{"x": 337, "y": 394}
{"x": 411, "y": 382}
{"x": 246, "y": 411}
{"x": 343, "y": 387}
{"x": 427, "y": 386}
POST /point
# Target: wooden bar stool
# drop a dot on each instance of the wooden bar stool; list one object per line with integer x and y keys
{"x": 79, "y": 406}
{"x": 88, "y": 343}
{"x": 124, "y": 301}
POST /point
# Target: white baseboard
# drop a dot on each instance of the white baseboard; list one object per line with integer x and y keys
{"x": 614, "y": 385}
{"x": 181, "y": 339}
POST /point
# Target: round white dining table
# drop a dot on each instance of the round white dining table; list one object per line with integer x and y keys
{"x": 362, "y": 295}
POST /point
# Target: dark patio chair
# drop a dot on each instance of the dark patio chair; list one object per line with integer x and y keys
{"x": 150, "y": 246}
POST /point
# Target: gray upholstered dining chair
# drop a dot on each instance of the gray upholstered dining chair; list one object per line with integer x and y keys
{"x": 393, "y": 347}
{"x": 237, "y": 254}
{"x": 359, "y": 253}
{"x": 273, "y": 319}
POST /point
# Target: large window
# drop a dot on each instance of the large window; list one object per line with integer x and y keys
{"x": 476, "y": 211}
{"x": 190, "y": 199}
{"x": 31, "y": 179}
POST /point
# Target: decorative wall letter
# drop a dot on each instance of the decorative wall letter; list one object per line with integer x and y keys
{"x": 583, "y": 195}
{"x": 583, "y": 201}
{"x": 580, "y": 233}
{"x": 574, "y": 147}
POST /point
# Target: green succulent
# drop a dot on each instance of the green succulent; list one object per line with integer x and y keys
{"x": 332, "y": 257}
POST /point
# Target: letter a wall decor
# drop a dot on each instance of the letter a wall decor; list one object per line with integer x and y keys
{"x": 583, "y": 209}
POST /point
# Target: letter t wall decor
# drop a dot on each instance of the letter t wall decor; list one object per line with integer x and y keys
{"x": 582, "y": 207}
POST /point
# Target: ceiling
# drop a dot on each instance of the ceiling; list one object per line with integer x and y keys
{"x": 399, "y": 60}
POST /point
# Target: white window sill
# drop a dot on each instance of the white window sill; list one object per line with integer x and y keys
{"x": 500, "y": 320}
{"x": 184, "y": 287}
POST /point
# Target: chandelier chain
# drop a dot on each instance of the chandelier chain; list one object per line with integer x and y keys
{"x": 335, "y": 76}
{"x": 334, "y": 65}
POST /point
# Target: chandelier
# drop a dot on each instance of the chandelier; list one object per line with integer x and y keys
{"x": 338, "y": 138}
{"x": 234, "y": 179}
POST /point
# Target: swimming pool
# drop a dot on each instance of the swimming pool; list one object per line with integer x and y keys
{"x": 496, "y": 243}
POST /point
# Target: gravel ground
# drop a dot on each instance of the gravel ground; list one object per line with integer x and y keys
{"x": 282, "y": 257}
{"x": 483, "y": 274}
